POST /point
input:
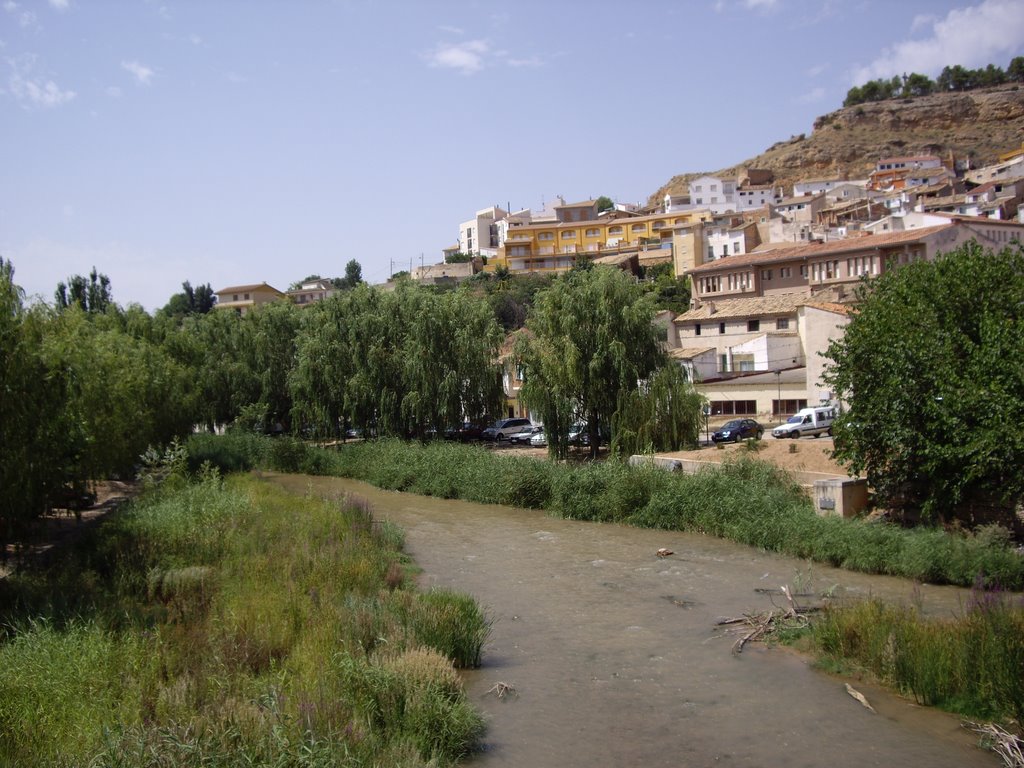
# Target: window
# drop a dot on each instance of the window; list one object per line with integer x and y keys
{"x": 711, "y": 253}
{"x": 721, "y": 327}
{"x": 569, "y": 234}
{"x": 787, "y": 407}
{"x": 803, "y": 270}
{"x": 546, "y": 236}
{"x": 234, "y": 297}
{"x": 639, "y": 228}
{"x": 697, "y": 189}
{"x": 615, "y": 230}
{"x": 736, "y": 247}
{"x": 753, "y": 326}
{"x": 785, "y": 271}
{"x": 733, "y": 407}
{"x": 766, "y": 274}
{"x": 696, "y": 329}
{"x": 593, "y": 233}
{"x": 700, "y": 201}
{"x": 782, "y": 324}
{"x": 247, "y": 297}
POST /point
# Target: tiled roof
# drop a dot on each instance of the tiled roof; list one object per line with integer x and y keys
{"x": 247, "y": 288}
{"x": 754, "y": 306}
{"x": 688, "y": 353}
{"x": 830, "y": 306}
{"x": 823, "y": 249}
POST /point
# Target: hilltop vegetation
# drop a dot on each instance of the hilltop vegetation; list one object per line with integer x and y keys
{"x": 977, "y": 125}
{"x": 955, "y": 78}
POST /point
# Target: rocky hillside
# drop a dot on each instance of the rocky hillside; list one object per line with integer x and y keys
{"x": 979, "y": 125}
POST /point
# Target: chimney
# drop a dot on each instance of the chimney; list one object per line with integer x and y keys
{"x": 712, "y": 308}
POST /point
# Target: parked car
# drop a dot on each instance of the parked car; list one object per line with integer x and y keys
{"x": 524, "y": 434}
{"x": 539, "y": 439}
{"x": 807, "y": 421}
{"x": 736, "y": 430}
{"x": 501, "y": 429}
{"x": 464, "y": 432}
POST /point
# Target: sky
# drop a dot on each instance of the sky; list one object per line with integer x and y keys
{"x": 230, "y": 142}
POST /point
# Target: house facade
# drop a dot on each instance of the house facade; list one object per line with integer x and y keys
{"x": 244, "y": 298}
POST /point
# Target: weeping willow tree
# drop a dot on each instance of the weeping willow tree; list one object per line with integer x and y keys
{"x": 664, "y": 415}
{"x": 403, "y": 363}
{"x": 591, "y": 342}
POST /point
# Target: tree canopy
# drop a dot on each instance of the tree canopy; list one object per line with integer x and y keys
{"x": 932, "y": 370}
{"x": 952, "y": 78}
{"x": 591, "y": 340}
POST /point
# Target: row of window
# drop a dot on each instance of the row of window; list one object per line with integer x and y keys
{"x": 753, "y": 326}
{"x": 615, "y": 230}
{"x": 749, "y": 407}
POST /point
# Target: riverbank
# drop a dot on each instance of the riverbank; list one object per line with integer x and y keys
{"x": 613, "y": 654}
{"x": 223, "y": 623}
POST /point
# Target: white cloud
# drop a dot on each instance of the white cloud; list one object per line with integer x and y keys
{"x": 972, "y": 36}
{"x": 765, "y": 5}
{"x": 60, "y": 5}
{"x": 817, "y": 69}
{"x": 24, "y": 18}
{"x": 31, "y": 89}
{"x": 38, "y": 93}
{"x": 114, "y": 92}
{"x": 811, "y": 96}
{"x": 140, "y": 72}
{"x": 922, "y": 21}
{"x": 467, "y": 57}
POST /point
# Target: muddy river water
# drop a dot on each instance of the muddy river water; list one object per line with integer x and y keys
{"x": 615, "y": 658}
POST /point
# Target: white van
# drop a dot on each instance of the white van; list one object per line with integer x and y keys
{"x": 807, "y": 421}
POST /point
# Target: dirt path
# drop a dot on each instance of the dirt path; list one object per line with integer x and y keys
{"x": 58, "y": 528}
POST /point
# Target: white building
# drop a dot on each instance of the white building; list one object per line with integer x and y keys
{"x": 715, "y": 194}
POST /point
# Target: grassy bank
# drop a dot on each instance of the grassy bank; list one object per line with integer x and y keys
{"x": 972, "y": 664}
{"x": 229, "y": 623}
{"x": 746, "y": 501}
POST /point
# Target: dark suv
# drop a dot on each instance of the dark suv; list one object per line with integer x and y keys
{"x": 736, "y": 430}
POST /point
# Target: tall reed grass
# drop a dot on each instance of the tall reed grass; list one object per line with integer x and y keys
{"x": 229, "y": 623}
{"x": 748, "y": 501}
{"x": 972, "y": 664}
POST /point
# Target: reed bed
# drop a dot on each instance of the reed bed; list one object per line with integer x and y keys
{"x": 229, "y": 623}
{"x": 971, "y": 664}
{"x": 746, "y": 500}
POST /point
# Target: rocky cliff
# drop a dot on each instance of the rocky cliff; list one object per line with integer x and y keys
{"x": 976, "y": 125}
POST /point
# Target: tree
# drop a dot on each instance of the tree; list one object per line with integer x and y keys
{"x": 932, "y": 367}
{"x": 92, "y": 295}
{"x": 591, "y": 341}
{"x": 604, "y": 203}
{"x": 915, "y": 84}
{"x": 458, "y": 258}
{"x": 664, "y": 415}
{"x": 353, "y": 274}
{"x": 1015, "y": 71}
{"x": 401, "y": 362}
{"x": 34, "y": 436}
{"x": 191, "y": 301}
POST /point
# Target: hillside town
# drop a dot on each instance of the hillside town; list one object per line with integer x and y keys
{"x": 772, "y": 269}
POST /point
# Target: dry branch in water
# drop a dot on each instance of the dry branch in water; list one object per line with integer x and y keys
{"x": 1005, "y": 744}
{"x": 501, "y": 690}
{"x": 760, "y": 625}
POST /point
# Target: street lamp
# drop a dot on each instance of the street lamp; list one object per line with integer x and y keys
{"x": 778, "y": 383}
{"x": 707, "y": 415}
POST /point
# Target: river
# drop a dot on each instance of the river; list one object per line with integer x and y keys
{"x": 615, "y": 658}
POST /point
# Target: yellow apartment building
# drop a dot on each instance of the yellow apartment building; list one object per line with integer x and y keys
{"x": 555, "y": 246}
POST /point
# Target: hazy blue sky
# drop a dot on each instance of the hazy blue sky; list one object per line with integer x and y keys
{"x": 237, "y": 142}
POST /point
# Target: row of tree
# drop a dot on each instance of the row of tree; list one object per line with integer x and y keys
{"x": 954, "y": 78}
{"x": 88, "y": 386}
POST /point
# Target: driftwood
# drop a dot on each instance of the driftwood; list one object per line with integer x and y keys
{"x": 859, "y": 697}
{"x": 760, "y": 625}
{"x": 1005, "y": 744}
{"x": 501, "y": 690}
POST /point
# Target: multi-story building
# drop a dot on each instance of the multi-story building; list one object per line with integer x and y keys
{"x": 243, "y": 298}
{"x": 758, "y": 356}
{"x": 480, "y": 235}
{"x": 310, "y": 292}
{"x": 558, "y": 245}
{"x": 716, "y": 194}
{"x": 839, "y": 264}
